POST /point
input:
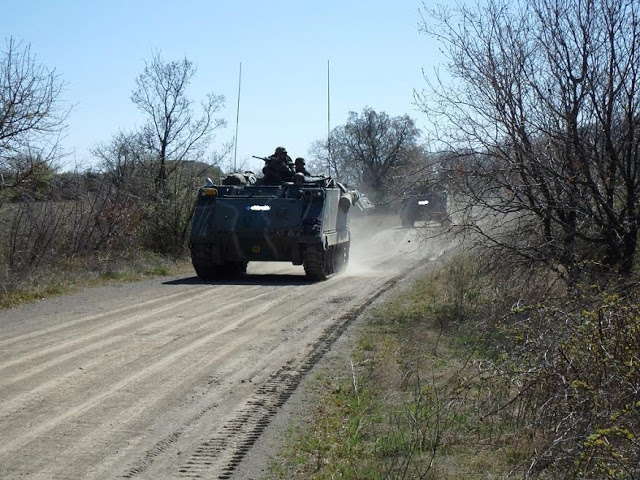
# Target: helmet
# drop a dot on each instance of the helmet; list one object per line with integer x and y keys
{"x": 281, "y": 150}
{"x": 299, "y": 161}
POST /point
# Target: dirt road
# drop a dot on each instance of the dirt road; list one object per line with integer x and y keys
{"x": 174, "y": 378}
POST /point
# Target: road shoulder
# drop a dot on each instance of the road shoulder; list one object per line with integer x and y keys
{"x": 298, "y": 411}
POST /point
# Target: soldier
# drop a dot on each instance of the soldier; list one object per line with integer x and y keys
{"x": 234, "y": 179}
{"x": 279, "y": 167}
{"x": 250, "y": 176}
{"x": 300, "y": 167}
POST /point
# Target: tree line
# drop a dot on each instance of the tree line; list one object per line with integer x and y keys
{"x": 140, "y": 193}
{"x": 536, "y": 132}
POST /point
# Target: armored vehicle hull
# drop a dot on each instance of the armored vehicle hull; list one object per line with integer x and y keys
{"x": 428, "y": 207}
{"x": 305, "y": 224}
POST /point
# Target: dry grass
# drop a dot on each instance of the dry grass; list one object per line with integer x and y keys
{"x": 51, "y": 247}
{"x": 419, "y": 401}
{"x": 474, "y": 376}
{"x": 69, "y": 274}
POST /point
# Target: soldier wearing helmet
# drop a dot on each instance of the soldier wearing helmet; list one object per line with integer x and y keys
{"x": 278, "y": 167}
{"x": 300, "y": 167}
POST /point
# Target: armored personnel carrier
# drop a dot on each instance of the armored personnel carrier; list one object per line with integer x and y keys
{"x": 305, "y": 222}
{"x": 431, "y": 206}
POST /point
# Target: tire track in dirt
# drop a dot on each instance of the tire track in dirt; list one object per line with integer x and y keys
{"x": 295, "y": 308}
{"x": 219, "y": 455}
{"x": 90, "y": 318}
{"x": 165, "y": 363}
{"x": 162, "y": 363}
{"x": 10, "y": 405}
{"x": 108, "y": 330}
{"x": 102, "y": 331}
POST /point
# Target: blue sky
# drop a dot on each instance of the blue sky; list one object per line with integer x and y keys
{"x": 375, "y": 50}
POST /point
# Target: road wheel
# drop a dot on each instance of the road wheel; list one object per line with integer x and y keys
{"x": 207, "y": 270}
{"x": 314, "y": 261}
{"x": 236, "y": 269}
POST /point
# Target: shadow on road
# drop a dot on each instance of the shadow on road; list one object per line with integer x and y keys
{"x": 250, "y": 279}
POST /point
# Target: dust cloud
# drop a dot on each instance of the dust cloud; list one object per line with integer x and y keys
{"x": 379, "y": 241}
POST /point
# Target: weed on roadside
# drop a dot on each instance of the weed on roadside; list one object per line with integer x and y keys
{"x": 471, "y": 375}
{"x": 69, "y": 274}
{"x": 415, "y": 403}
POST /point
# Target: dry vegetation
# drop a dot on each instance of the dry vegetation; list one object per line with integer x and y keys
{"x": 94, "y": 227}
{"x": 130, "y": 214}
{"x": 473, "y": 376}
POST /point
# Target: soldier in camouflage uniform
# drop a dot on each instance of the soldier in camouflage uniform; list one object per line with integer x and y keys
{"x": 300, "y": 167}
{"x": 279, "y": 167}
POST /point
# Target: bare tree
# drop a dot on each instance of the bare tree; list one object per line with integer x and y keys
{"x": 122, "y": 160}
{"x": 173, "y": 135}
{"x": 322, "y": 163}
{"x": 32, "y": 115}
{"x": 542, "y": 114}
{"x": 369, "y": 148}
{"x": 173, "y": 132}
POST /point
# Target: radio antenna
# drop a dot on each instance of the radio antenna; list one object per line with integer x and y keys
{"x": 328, "y": 117}
{"x": 235, "y": 139}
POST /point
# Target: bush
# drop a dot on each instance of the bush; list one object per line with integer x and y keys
{"x": 577, "y": 366}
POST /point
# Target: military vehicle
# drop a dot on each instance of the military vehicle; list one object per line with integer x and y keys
{"x": 430, "y": 206}
{"x": 305, "y": 222}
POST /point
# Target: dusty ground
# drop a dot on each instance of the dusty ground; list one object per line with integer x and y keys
{"x": 175, "y": 378}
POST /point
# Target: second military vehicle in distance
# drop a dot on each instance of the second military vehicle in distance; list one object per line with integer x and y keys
{"x": 305, "y": 222}
{"x": 430, "y": 206}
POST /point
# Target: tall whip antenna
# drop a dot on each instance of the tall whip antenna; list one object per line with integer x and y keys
{"x": 329, "y": 117}
{"x": 235, "y": 140}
